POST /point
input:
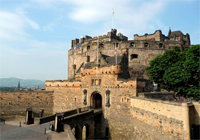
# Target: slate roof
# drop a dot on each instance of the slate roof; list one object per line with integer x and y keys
{"x": 78, "y": 45}
{"x": 172, "y": 41}
{"x": 111, "y": 60}
{"x": 176, "y": 33}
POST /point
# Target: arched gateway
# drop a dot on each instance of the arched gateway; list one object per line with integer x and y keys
{"x": 96, "y": 100}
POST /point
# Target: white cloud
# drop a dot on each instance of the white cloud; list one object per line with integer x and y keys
{"x": 12, "y": 25}
{"x": 130, "y": 16}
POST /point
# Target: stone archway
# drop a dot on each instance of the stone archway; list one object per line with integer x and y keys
{"x": 96, "y": 100}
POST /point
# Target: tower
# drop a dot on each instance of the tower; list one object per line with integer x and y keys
{"x": 18, "y": 88}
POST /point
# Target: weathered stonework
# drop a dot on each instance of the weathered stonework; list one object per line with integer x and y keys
{"x": 16, "y": 102}
{"x": 145, "y": 47}
{"x": 130, "y": 110}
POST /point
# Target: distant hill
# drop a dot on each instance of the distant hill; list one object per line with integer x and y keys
{"x": 13, "y": 82}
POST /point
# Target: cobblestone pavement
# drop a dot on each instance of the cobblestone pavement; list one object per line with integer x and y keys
{"x": 29, "y": 132}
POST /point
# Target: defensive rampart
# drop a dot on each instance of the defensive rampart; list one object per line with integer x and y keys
{"x": 16, "y": 102}
{"x": 154, "y": 119}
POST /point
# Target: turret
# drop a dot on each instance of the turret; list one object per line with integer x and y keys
{"x": 169, "y": 31}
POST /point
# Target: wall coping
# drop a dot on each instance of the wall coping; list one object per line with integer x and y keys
{"x": 164, "y": 102}
{"x": 161, "y": 93}
{"x": 28, "y": 91}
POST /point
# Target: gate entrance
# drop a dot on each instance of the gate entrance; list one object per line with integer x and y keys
{"x": 96, "y": 100}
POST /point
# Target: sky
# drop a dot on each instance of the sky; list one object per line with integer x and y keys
{"x": 35, "y": 35}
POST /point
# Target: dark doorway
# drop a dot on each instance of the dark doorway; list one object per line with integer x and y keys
{"x": 96, "y": 100}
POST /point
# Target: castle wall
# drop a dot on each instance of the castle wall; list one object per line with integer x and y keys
{"x": 16, "y": 102}
{"x": 69, "y": 95}
{"x": 149, "y": 119}
{"x": 136, "y": 65}
{"x": 157, "y": 36}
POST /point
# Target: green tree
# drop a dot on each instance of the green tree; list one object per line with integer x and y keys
{"x": 177, "y": 71}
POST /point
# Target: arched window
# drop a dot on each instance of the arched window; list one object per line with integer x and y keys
{"x": 88, "y": 47}
{"x": 132, "y": 44}
{"x": 146, "y": 44}
{"x": 85, "y": 97}
{"x": 160, "y": 45}
{"x": 107, "y": 98}
{"x": 134, "y": 56}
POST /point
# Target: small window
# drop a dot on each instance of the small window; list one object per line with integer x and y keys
{"x": 146, "y": 44}
{"x": 160, "y": 45}
{"x": 132, "y": 44}
{"x": 100, "y": 45}
{"x": 88, "y": 47}
{"x": 88, "y": 58}
{"x": 74, "y": 61}
{"x": 134, "y": 56}
{"x": 74, "y": 54}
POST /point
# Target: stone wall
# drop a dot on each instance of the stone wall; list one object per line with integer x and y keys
{"x": 196, "y": 113}
{"x": 151, "y": 119}
{"x": 16, "y": 102}
{"x": 170, "y": 118}
{"x": 157, "y": 36}
{"x": 145, "y": 54}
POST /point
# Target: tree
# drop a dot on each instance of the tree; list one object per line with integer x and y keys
{"x": 177, "y": 71}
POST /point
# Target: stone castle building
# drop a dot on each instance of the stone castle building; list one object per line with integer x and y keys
{"x": 140, "y": 50}
{"x": 117, "y": 86}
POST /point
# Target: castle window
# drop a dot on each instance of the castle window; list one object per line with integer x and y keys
{"x": 146, "y": 44}
{"x": 100, "y": 45}
{"x": 131, "y": 44}
{"x": 74, "y": 61}
{"x": 74, "y": 54}
{"x": 85, "y": 97}
{"x": 88, "y": 58}
{"x": 88, "y": 47}
{"x": 107, "y": 98}
{"x": 134, "y": 56}
{"x": 160, "y": 45}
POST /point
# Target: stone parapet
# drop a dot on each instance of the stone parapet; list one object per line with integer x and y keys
{"x": 113, "y": 69}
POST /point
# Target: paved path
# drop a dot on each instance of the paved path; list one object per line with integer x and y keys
{"x": 12, "y": 131}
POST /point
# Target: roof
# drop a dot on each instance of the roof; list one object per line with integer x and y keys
{"x": 176, "y": 33}
{"x": 172, "y": 41}
{"x": 78, "y": 45}
{"x": 104, "y": 61}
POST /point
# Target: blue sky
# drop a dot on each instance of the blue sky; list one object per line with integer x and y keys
{"x": 35, "y": 35}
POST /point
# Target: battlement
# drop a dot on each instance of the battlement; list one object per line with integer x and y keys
{"x": 113, "y": 69}
{"x": 62, "y": 83}
{"x": 111, "y": 36}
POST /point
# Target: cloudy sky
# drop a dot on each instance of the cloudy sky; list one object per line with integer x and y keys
{"x": 35, "y": 35}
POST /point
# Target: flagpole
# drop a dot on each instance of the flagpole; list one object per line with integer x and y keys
{"x": 116, "y": 52}
{"x": 97, "y": 48}
{"x": 113, "y": 19}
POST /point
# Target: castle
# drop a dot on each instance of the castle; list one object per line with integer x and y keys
{"x": 107, "y": 73}
{"x": 139, "y": 51}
